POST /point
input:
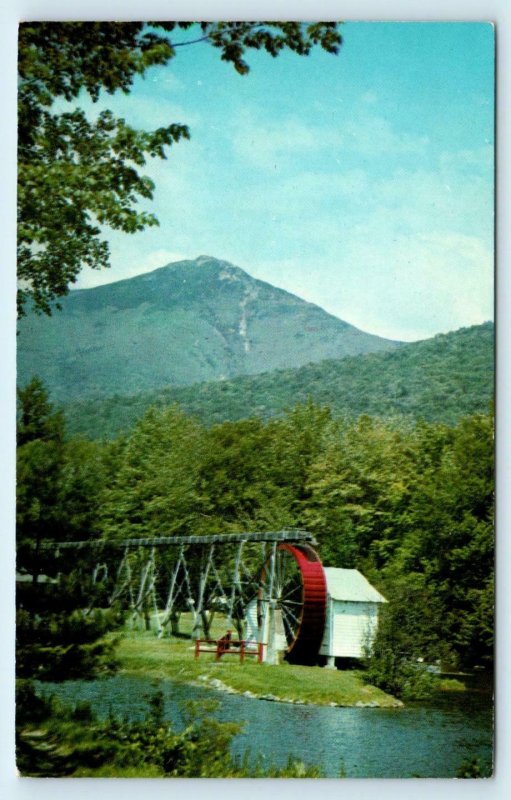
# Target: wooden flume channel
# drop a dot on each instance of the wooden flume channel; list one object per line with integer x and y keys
{"x": 157, "y": 579}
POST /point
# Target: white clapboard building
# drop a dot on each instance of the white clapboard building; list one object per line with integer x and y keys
{"x": 352, "y": 614}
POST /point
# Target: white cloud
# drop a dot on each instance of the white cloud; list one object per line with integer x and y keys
{"x": 432, "y": 283}
{"x": 371, "y": 225}
{"x": 266, "y": 144}
{"x": 350, "y": 200}
{"x": 477, "y": 160}
{"x": 403, "y": 286}
{"x": 373, "y": 135}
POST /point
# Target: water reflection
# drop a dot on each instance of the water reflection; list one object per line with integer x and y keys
{"x": 419, "y": 740}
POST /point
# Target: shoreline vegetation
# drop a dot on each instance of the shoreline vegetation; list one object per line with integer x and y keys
{"x": 60, "y": 740}
{"x": 173, "y": 659}
{"x": 288, "y": 683}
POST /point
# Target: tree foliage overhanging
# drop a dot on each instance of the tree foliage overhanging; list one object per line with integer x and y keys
{"x": 77, "y": 175}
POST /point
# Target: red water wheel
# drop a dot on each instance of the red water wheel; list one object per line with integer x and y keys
{"x": 296, "y": 589}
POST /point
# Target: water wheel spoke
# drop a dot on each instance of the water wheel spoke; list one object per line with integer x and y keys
{"x": 288, "y": 631}
{"x": 299, "y": 590}
{"x": 288, "y": 613}
{"x": 286, "y": 602}
{"x": 294, "y": 591}
{"x": 288, "y": 627}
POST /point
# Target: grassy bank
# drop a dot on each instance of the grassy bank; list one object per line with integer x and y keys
{"x": 141, "y": 653}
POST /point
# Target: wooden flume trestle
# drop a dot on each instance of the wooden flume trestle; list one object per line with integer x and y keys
{"x": 286, "y": 535}
{"x": 275, "y": 575}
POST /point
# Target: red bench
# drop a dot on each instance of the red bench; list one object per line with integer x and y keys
{"x": 226, "y": 645}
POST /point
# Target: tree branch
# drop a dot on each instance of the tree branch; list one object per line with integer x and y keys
{"x": 190, "y": 41}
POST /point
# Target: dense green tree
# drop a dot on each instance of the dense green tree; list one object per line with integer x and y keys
{"x": 450, "y": 535}
{"x": 358, "y": 486}
{"x": 254, "y": 474}
{"x": 241, "y": 477}
{"x": 299, "y": 441}
{"x": 411, "y": 632}
{"x": 57, "y": 491}
{"x": 84, "y": 475}
{"x": 40, "y": 451}
{"x": 59, "y": 480}
{"x": 77, "y": 175}
{"x": 37, "y": 419}
{"x": 153, "y": 487}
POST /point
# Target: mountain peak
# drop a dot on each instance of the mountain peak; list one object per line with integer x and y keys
{"x": 200, "y": 260}
{"x": 224, "y": 268}
{"x": 187, "y": 322}
{"x": 201, "y": 269}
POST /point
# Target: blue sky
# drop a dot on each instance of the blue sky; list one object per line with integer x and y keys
{"x": 362, "y": 182}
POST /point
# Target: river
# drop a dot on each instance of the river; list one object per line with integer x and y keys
{"x": 420, "y": 740}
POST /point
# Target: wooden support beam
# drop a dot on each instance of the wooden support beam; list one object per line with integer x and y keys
{"x": 286, "y": 535}
{"x": 154, "y": 598}
{"x": 169, "y": 613}
{"x": 271, "y": 653}
{"x": 202, "y": 588}
{"x": 236, "y": 585}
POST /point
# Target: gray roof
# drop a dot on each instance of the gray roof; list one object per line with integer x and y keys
{"x": 350, "y": 585}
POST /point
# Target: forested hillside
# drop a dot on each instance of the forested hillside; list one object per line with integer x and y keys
{"x": 440, "y": 379}
{"x": 409, "y": 504}
{"x": 190, "y": 321}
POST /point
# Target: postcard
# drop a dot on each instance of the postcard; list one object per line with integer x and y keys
{"x": 255, "y": 423}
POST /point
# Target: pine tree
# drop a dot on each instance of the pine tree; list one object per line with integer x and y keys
{"x": 54, "y": 639}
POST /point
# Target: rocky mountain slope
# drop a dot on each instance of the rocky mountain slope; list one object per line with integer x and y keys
{"x": 188, "y": 322}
